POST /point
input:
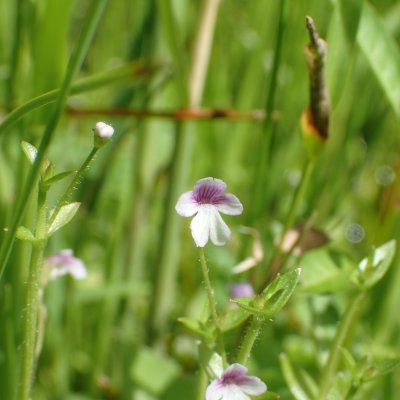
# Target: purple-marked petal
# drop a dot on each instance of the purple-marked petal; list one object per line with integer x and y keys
{"x": 219, "y": 231}
{"x": 65, "y": 263}
{"x": 208, "y": 199}
{"x": 235, "y": 384}
{"x": 200, "y": 226}
{"x": 219, "y": 184}
{"x": 209, "y": 191}
{"x": 230, "y": 205}
{"x": 186, "y": 206}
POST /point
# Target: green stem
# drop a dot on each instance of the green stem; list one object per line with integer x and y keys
{"x": 74, "y": 183}
{"x": 76, "y": 60}
{"x": 31, "y": 303}
{"x": 201, "y": 384}
{"x": 342, "y": 333}
{"x": 212, "y": 304}
{"x": 249, "y": 339}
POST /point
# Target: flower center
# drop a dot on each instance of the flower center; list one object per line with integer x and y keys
{"x": 208, "y": 194}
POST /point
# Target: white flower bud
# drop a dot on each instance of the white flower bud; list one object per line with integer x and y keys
{"x": 103, "y": 130}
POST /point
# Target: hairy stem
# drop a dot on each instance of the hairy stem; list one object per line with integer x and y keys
{"x": 212, "y": 304}
{"x": 32, "y": 301}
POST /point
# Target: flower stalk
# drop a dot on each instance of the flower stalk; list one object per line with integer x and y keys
{"x": 74, "y": 183}
{"x": 212, "y": 305}
{"x": 30, "y": 321}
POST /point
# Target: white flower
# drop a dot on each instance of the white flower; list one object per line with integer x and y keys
{"x": 65, "y": 263}
{"x": 207, "y": 200}
{"x": 235, "y": 384}
{"x": 103, "y": 130}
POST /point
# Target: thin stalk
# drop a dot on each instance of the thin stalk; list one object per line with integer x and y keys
{"x": 32, "y": 301}
{"x": 201, "y": 385}
{"x": 250, "y": 337}
{"x": 76, "y": 60}
{"x": 212, "y": 304}
{"x": 342, "y": 333}
{"x": 180, "y": 114}
{"x": 74, "y": 183}
{"x": 97, "y": 81}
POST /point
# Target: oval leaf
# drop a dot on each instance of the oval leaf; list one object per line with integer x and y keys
{"x": 373, "y": 268}
{"x": 274, "y": 296}
{"x": 63, "y": 216}
{"x": 25, "y": 234}
{"x": 56, "y": 178}
{"x": 278, "y": 293}
{"x": 30, "y": 151}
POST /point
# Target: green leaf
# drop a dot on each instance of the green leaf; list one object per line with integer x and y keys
{"x": 30, "y": 151}
{"x": 154, "y": 371}
{"x": 382, "y": 54}
{"x": 65, "y": 215}
{"x": 324, "y": 271}
{"x": 278, "y": 293}
{"x": 25, "y": 234}
{"x": 249, "y": 305}
{"x": 274, "y": 297}
{"x": 195, "y": 326}
{"x": 373, "y": 268}
{"x": 293, "y": 383}
{"x": 233, "y": 318}
{"x": 56, "y": 178}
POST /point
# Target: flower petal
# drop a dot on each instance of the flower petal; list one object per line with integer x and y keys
{"x": 219, "y": 183}
{"x": 231, "y": 205}
{"x": 253, "y": 386}
{"x": 200, "y": 225}
{"x": 215, "y": 390}
{"x": 234, "y": 370}
{"x": 234, "y": 392}
{"x": 186, "y": 206}
{"x": 219, "y": 231}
